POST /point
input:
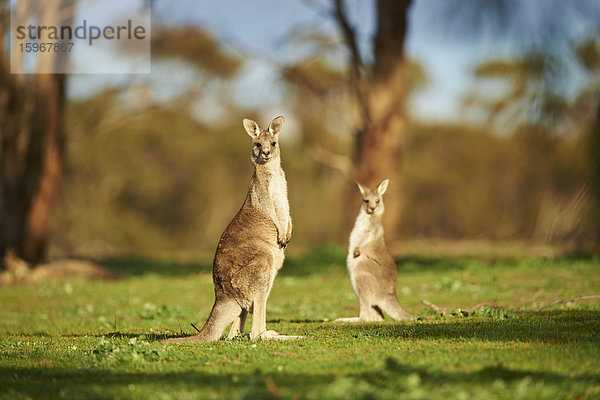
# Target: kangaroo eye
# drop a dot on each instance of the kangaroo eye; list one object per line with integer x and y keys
{"x": 377, "y": 201}
{"x": 257, "y": 144}
{"x": 366, "y": 201}
{"x": 273, "y": 143}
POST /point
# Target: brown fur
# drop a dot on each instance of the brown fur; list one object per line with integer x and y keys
{"x": 251, "y": 249}
{"x": 371, "y": 267}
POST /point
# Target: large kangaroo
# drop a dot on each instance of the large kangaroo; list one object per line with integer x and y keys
{"x": 250, "y": 251}
{"x": 372, "y": 269}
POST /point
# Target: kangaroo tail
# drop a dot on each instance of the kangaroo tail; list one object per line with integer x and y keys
{"x": 222, "y": 314}
{"x": 392, "y": 308}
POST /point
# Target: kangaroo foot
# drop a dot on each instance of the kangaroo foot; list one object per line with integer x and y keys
{"x": 267, "y": 335}
{"x": 353, "y": 319}
{"x": 273, "y": 335}
{"x": 289, "y": 337}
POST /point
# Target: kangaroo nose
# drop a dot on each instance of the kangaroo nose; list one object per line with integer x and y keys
{"x": 266, "y": 152}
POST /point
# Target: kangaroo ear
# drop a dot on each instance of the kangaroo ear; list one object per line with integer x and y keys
{"x": 251, "y": 127}
{"x": 382, "y": 187}
{"x": 363, "y": 190}
{"x": 276, "y": 125}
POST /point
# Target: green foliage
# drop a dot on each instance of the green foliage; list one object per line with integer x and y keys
{"x": 158, "y": 181}
{"x": 536, "y": 177}
{"x": 152, "y": 180}
{"x": 546, "y": 124}
{"x": 588, "y": 54}
{"x": 191, "y": 44}
{"x": 162, "y": 182}
{"x": 151, "y": 184}
{"x": 85, "y": 339}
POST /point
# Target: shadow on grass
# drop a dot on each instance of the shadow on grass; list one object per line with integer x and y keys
{"x": 553, "y": 327}
{"x": 52, "y": 382}
{"x": 135, "y": 266}
{"x": 319, "y": 260}
{"x": 486, "y": 374}
{"x": 120, "y": 335}
{"x": 424, "y": 263}
{"x": 560, "y": 327}
{"x": 328, "y": 258}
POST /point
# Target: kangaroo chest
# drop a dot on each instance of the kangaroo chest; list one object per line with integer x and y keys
{"x": 270, "y": 193}
{"x": 277, "y": 189}
{"x": 364, "y": 234}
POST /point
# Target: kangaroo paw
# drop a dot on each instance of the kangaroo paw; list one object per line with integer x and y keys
{"x": 267, "y": 335}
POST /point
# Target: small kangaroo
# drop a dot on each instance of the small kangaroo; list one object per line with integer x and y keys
{"x": 371, "y": 267}
{"x": 251, "y": 250}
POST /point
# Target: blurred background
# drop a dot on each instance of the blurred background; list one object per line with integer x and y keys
{"x": 484, "y": 115}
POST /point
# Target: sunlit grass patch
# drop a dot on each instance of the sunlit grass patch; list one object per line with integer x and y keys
{"x": 92, "y": 339}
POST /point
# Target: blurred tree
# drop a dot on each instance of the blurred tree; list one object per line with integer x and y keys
{"x": 147, "y": 174}
{"x": 379, "y": 83}
{"x": 525, "y": 86}
{"x": 518, "y": 111}
{"x": 195, "y": 46}
{"x": 373, "y": 91}
{"x": 379, "y": 91}
{"x": 31, "y": 151}
{"x": 545, "y": 124}
{"x": 588, "y": 55}
{"x": 594, "y": 157}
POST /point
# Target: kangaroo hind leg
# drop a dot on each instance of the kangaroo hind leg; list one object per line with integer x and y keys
{"x": 259, "y": 321}
{"x": 259, "y": 325}
{"x": 370, "y": 312}
{"x": 222, "y": 314}
{"x": 366, "y": 289}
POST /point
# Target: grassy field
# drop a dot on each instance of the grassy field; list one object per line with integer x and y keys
{"x": 91, "y": 339}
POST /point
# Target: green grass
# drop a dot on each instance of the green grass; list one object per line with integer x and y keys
{"x": 85, "y": 339}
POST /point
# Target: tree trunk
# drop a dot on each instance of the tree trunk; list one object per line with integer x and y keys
{"x": 31, "y": 153}
{"x": 380, "y": 139}
{"x": 594, "y": 157}
{"x": 31, "y": 165}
